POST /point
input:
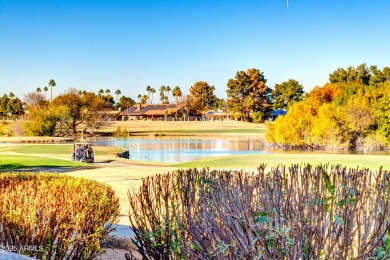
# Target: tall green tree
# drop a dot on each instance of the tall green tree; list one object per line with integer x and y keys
{"x": 52, "y": 84}
{"x": 108, "y": 102}
{"x": 3, "y": 105}
{"x": 117, "y": 93}
{"x": 360, "y": 74}
{"x": 15, "y": 106}
{"x": 177, "y": 93}
{"x": 39, "y": 91}
{"x": 10, "y": 105}
{"x": 45, "y": 89}
{"x": 248, "y": 93}
{"x": 148, "y": 89}
{"x": 152, "y": 91}
{"x": 167, "y": 89}
{"x": 124, "y": 103}
{"x": 219, "y": 104}
{"x": 203, "y": 95}
{"x": 144, "y": 99}
{"x": 287, "y": 93}
{"x": 101, "y": 92}
{"x": 162, "y": 94}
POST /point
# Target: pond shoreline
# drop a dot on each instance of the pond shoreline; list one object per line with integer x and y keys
{"x": 35, "y": 139}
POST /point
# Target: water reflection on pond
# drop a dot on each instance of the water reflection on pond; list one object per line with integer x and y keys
{"x": 182, "y": 149}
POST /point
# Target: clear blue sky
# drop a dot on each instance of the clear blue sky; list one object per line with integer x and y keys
{"x": 128, "y": 45}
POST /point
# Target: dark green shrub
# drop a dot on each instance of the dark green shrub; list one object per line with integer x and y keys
{"x": 63, "y": 216}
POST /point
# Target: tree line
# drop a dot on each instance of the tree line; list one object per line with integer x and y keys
{"x": 246, "y": 93}
{"x": 10, "y": 105}
{"x": 360, "y": 91}
{"x": 351, "y": 111}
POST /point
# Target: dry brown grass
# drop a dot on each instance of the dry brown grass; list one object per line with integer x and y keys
{"x": 162, "y": 126}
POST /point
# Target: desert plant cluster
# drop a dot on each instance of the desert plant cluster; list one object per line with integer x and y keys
{"x": 52, "y": 216}
{"x": 297, "y": 212}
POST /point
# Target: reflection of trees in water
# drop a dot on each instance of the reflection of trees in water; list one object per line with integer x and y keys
{"x": 180, "y": 149}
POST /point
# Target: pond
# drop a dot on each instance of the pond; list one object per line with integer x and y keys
{"x": 182, "y": 149}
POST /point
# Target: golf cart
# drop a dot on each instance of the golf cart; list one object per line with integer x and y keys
{"x": 83, "y": 152}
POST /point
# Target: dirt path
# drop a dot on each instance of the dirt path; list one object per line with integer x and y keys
{"x": 121, "y": 179}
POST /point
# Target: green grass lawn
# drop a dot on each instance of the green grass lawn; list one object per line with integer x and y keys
{"x": 12, "y": 162}
{"x": 44, "y": 155}
{"x": 272, "y": 160}
{"x": 25, "y": 159}
{"x": 55, "y": 150}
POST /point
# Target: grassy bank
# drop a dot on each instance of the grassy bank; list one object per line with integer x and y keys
{"x": 274, "y": 159}
{"x": 55, "y": 150}
{"x": 52, "y": 154}
{"x": 27, "y": 156}
{"x": 13, "y": 162}
{"x": 221, "y": 131}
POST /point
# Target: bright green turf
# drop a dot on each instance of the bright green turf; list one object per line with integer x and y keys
{"x": 272, "y": 160}
{"x": 54, "y": 149}
{"x": 11, "y": 162}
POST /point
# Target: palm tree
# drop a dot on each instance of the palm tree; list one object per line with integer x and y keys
{"x": 80, "y": 93}
{"x": 45, "y": 89}
{"x": 162, "y": 96}
{"x": 117, "y": 92}
{"x": 152, "y": 90}
{"x": 38, "y": 90}
{"x": 148, "y": 89}
{"x": 11, "y": 95}
{"x": 52, "y": 84}
{"x": 101, "y": 92}
{"x": 177, "y": 93}
{"x": 108, "y": 91}
{"x": 167, "y": 89}
{"x": 139, "y": 97}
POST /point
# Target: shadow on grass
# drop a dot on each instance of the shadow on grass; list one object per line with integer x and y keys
{"x": 39, "y": 168}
